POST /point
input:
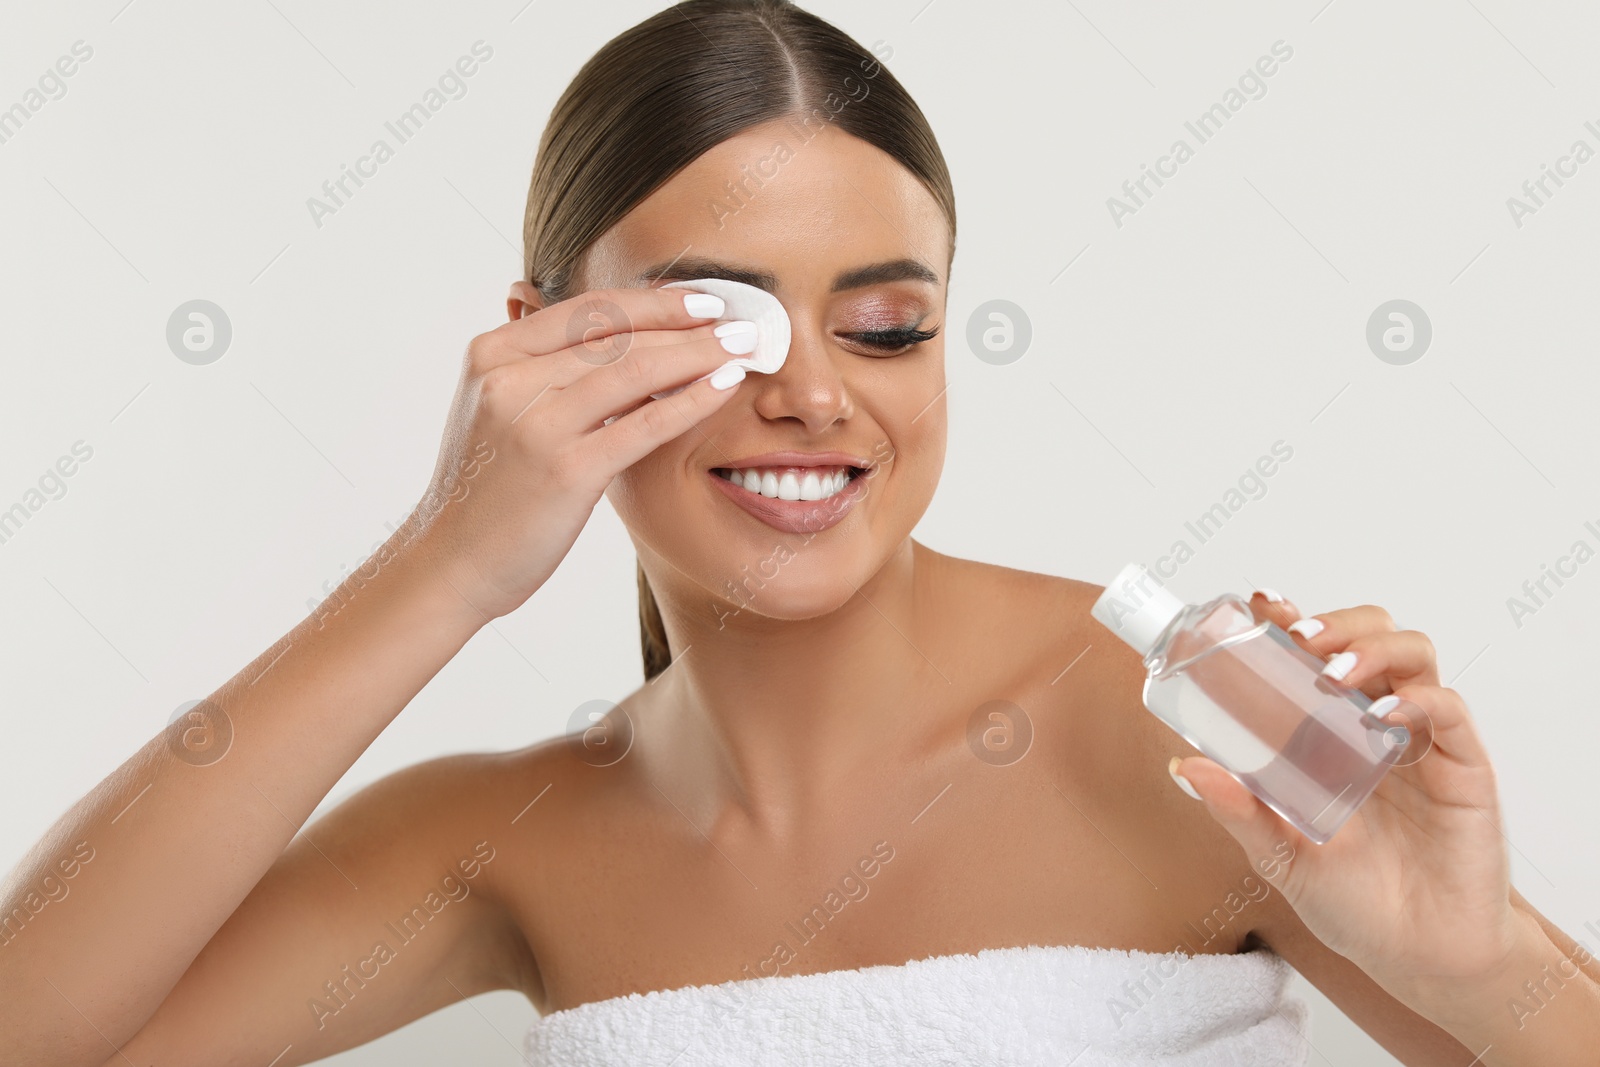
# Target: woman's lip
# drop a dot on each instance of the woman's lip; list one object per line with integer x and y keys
{"x": 794, "y": 516}
{"x": 799, "y": 459}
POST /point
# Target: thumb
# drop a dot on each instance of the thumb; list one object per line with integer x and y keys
{"x": 1259, "y": 830}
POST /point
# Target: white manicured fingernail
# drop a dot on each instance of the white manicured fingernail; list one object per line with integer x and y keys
{"x": 1383, "y": 706}
{"x": 1183, "y": 783}
{"x": 727, "y": 377}
{"x": 1340, "y": 665}
{"x": 1271, "y": 594}
{"x": 738, "y": 336}
{"x": 1306, "y": 628}
{"x": 704, "y": 305}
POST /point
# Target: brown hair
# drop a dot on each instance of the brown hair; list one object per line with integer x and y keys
{"x": 657, "y": 96}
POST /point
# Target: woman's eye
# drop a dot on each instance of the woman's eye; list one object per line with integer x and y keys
{"x": 896, "y": 340}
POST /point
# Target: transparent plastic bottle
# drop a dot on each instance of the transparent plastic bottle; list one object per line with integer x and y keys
{"x": 1254, "y": 702}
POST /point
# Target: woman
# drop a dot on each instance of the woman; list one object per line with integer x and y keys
{"x": 797, "y": 837}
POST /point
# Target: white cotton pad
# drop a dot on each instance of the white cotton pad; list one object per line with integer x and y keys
{"x": 753, "y": 305}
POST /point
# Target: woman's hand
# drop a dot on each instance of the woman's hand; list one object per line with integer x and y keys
{"x": 1415, "y": 887}
{"x": 549, "y": 408}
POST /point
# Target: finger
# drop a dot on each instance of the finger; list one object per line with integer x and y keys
{"x": 576, "y": 362}
{"x": 599, "y": 322}
{"x": 629, "y": 382}
{"x": 640, "y": 432}
{"x": 1269, "y": 605}
{"x": 1329, "y": 632}
{"x": 1437, "y": 719}
{"x": 1380, "y": 663}
{"x": 683, "y": 354}
{"x": 563, "y": 368}
{"x": 1260, "y": 831}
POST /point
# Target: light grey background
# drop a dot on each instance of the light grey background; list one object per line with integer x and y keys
{"x": 1168, "y": 354}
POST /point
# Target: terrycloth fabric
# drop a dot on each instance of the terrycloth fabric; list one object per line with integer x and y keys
{"x": 1056, "y": 1005}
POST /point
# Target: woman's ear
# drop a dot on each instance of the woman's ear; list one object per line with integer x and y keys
{"x": 523, "y": 301}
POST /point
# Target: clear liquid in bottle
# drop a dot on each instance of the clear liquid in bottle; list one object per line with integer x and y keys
{"x": 1250, "y": 699}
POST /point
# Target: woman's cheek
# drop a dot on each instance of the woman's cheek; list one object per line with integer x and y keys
{"x": 918, "y": 451}
{"x": 624, "y": 494}
{"x": 647, "y": 493}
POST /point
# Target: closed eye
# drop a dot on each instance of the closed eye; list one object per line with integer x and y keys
{"x": 896, "y": 341}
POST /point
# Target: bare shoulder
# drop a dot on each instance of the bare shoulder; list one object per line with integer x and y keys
{"x": 502, "y": 816}
{"x": 1084, "y": 688}
{"x": 557, "y": 809}
{"x": 1028, "y": 604}
{"x": 1039, "y": 620}
{"x": 402, "y": 878}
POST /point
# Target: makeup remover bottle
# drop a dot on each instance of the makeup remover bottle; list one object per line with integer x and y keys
{"x": 1254, "y": 702}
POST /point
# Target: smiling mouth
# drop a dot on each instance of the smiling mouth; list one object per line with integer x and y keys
{"x": 791, "y": 483}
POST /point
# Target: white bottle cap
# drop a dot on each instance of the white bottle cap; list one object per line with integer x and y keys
{"x": 1136, "y": 607}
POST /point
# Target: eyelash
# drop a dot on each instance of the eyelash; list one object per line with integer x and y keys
{"x": 904, "y": 337}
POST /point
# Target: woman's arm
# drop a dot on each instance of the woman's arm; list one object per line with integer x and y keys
{"x": 177, "y": 846}
{"x": 1409, "y": 913}
{"x": 1496, "y": 1020}
{"x": 387, "y": 908}
{"x": 1541, "y": 1007}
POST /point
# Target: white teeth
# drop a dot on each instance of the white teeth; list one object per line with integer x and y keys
{"x": 783, "y": 484}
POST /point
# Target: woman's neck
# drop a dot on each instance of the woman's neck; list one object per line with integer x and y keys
{"x": 774, "y": 715}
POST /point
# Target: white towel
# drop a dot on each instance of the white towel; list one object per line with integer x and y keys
{"x": 1057, "y": 1005}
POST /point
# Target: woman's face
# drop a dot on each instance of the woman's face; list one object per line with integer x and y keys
{"x": 812, "y": 218}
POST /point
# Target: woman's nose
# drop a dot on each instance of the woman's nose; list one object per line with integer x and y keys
{"x": 809, "y": 386}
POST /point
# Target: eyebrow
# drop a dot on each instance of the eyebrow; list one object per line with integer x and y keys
{"x": 686, "y": 269}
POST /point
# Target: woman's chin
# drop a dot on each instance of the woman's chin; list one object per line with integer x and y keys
{"x": 786, "y": 595}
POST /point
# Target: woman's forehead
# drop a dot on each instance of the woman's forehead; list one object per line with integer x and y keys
{"x": 691, "y": 265}
{"x": 835, "y": 205}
